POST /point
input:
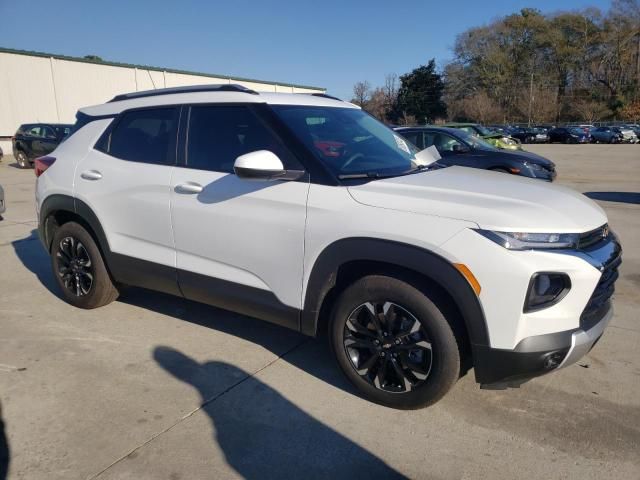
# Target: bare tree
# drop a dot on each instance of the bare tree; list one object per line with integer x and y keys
{"x": 361, "y": 93}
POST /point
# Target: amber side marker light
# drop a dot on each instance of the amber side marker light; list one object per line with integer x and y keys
{"x": 464, "y": 270}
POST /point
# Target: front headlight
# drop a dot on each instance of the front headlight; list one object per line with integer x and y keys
{"x": 531, "y": 241}
{"x": 534, "y": 166}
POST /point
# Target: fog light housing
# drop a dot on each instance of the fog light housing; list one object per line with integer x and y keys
{"x": 553, "y": 360}
{"x": 546, "y": 289}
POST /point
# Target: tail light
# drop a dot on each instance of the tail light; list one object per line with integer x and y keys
{"x": 42, "y": 163}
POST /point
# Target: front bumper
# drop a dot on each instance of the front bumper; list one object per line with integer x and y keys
{"x": 535, "y": 356}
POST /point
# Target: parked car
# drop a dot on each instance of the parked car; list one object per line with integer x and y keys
{"x": 586, "y": 127}
{"x": 568, "y": 135}
{"x": 606, "y": 135}
{"x": 220, "y": 194}
{"x": 34, "y": 140}
{"x": 498, "y": 140}
{"x": 628, "y": 135}
{"x": 3, "y": 207}
{"x": 524, "y": 134}
{"x": 1, "y": 154}
{"x": 635, "y": 127}
{"x": 458, "y": 147}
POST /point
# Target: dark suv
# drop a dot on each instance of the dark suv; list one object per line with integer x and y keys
{"x": 34, "y": 140}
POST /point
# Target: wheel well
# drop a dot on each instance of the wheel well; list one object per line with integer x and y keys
{"x": 352, "y": 271}
{"x": 58, "y": 218}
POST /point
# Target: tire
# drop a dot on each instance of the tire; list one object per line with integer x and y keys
{"x": 79, "y": 268}
{"x": 23, "y": 161}
{"x": 435, "y": 358}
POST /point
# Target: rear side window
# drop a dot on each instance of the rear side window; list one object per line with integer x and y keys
{"x": 218, "y": 134}
{"x": 147, "y": 136}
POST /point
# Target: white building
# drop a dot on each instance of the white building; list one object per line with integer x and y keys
{"x": 41, "y": 87}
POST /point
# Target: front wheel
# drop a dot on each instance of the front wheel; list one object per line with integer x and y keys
{"x": 22, "y": 160}
{"x": 394, "y": 343}
{"x": 79, "y": 268}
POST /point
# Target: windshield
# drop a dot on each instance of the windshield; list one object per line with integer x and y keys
{"x": 476, "y": 142}
{"x": 349, "y": 141}
{"x": 484, "y": 131}
{"x": 577, "y": 131}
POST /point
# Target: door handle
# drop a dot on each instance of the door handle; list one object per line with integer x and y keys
{"x": 190, "y": 188}
{"x": 91, "y": 175}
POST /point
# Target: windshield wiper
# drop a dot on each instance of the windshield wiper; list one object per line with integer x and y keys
{"x": 351, "y": 176}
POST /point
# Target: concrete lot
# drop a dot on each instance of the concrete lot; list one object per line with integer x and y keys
{"x": 156, "y": 387}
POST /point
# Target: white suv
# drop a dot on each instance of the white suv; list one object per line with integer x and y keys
{"x": 305, "y": 211}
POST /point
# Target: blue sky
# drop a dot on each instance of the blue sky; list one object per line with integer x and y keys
{"x": 324, "y": 43}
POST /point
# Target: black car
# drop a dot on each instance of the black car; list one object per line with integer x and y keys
{"x": 568, "y": 135}
{"x": 33, "y": 140}
{"x": 524, "y": 134}
{"x": 457, "y": 147}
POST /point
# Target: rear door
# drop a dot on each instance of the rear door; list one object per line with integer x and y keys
{"x": 239, "y": 243}
{"x": 48, "y": 141}
{"x": 125, "y": 180}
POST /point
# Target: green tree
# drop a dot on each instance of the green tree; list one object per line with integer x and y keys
{"x": 420, "y": 95}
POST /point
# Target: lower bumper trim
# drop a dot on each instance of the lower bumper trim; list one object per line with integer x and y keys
{"x": 535, "y": 356}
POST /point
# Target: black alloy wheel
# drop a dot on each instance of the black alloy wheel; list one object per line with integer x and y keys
{"x": 388, "y": 346}
{"x": 75, "y": 267}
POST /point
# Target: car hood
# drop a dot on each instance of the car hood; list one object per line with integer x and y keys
{"x": 494, "y": 201}
{"x": 531, "y": 157}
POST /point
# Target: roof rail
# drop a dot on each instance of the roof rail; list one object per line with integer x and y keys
{"x": 324, "y": 95}
{"x": 224, "y": 87}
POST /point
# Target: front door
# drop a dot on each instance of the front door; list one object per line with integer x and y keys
{"x": 239, "y": 243}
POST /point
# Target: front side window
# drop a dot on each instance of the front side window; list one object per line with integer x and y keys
{"x": 414, "y": 137}
{"x": 349, "y": 141}
{"x": 34, "y": 131}
{"x": 218, "y": 134}
{"x": 147, "y": 136}
{"x": 446, "y": 144}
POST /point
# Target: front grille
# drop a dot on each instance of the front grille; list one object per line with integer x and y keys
{"x": 598, "y": 304}
{"x": 593, "y": 237}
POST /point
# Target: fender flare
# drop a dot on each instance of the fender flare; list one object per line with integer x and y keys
{"x": 424, "y": 262}
{"x": 60, "y": 202}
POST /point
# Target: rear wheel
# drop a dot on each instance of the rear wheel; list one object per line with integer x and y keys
{"x": 22, "y": 160}
{"x": 79, "y": 268}
{"x": 393, "y": 343}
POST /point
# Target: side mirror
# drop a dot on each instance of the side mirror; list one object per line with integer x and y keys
{"x": 259, "y": 165}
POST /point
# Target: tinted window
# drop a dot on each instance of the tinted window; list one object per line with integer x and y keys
{"x": 445, "y": 143}
{"x": 220, "y": 134}
{"x": 48, "y": 132}
{"x": 413, "y": 137}
{"x": 62, "y": 131}
{"x": 34, "y": 131}
{"x": 147, "y": 136}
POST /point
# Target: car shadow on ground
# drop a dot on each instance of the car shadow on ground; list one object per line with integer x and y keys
{"x": 312, "y": 356}
{"x": 266, "y": 435}
{"x": 621, "y": 197}
{"x": 315, "y": 358}
{"x": 32, "y": 254}
{"x": 5, "y": 453}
